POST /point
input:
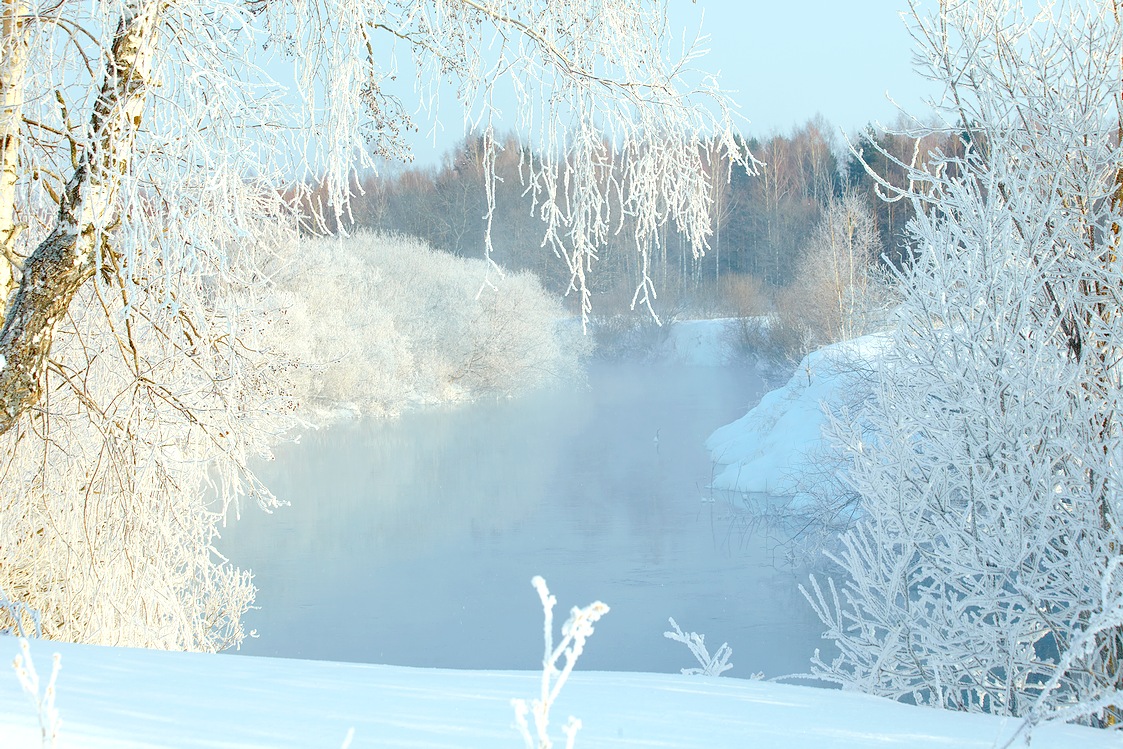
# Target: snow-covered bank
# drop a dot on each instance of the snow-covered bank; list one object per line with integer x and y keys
{"x": 111, "y": 697}
{"x": 779, "y": 442}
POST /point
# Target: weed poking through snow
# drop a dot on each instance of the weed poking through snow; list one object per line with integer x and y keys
{"x": 575, "y": 632}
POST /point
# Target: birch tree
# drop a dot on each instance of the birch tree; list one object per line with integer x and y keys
{"x": 148, "y": 162}
{"x": 983, "y": 575}
{"x": 832, "y": 295}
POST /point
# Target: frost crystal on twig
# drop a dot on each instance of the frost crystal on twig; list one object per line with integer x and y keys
{"x": 714, "y": 665}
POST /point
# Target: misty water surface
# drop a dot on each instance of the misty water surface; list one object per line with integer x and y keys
{"x": 413, "y": 542}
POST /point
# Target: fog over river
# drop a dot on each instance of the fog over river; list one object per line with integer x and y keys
{"x": 412, "y": 542}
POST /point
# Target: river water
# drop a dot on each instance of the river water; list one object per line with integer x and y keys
{"x": 413, "y": 542}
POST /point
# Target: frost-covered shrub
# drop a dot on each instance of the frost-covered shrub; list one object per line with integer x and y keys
{"x": 982, "y": 574}
{"x": 386, "y": 322}
{"x": 112, "y": 491}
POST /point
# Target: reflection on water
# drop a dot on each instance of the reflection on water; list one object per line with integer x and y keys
{"x": 413, "y": 542}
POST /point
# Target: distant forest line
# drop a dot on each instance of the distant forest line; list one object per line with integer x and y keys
{"x": 763, "y": 227}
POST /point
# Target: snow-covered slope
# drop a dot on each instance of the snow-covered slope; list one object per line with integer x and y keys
{"x": 111, "y": 697}
{"x": 780, "y": 439}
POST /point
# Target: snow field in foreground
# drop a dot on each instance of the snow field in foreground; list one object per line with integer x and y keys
{"x": 116, "y": 697}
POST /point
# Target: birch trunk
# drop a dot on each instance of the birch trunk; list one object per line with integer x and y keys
{"x": 13, "y": 64}
{"x": 87, "y": 212}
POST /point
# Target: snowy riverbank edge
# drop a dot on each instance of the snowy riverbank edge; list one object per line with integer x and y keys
{"x": 778, "y": 447}
{"x": 118, "y": 697}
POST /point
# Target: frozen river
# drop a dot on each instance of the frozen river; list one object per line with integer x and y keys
{"x": 413, "y": 542}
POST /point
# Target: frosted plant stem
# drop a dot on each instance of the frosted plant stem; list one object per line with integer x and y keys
{"x": 49, "y": 721}
{"x": 577, "y": 629}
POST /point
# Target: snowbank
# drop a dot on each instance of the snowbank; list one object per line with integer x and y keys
{"x": 122, "y": 698}
{"x": 780, "y": 440}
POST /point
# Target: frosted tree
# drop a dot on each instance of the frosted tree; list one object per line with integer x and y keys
{"x": 980, "y": 575}
{"x": 837, "y": 292}
{"x": 148, "y": 163}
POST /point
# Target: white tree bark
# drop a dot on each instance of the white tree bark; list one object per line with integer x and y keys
{"x": 13, "y": 64}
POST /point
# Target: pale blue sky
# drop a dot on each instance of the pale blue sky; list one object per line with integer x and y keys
{"x": 791, "y": 59}
{"x": 787, "y": 61}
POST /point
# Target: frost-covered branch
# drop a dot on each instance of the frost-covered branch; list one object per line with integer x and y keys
{"x": 714, "y": 665}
